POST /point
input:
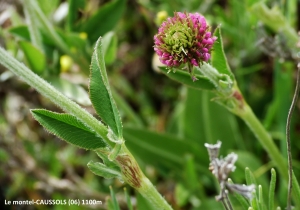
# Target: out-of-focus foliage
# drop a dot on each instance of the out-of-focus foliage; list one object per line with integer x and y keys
{"x": 165, "y": 124}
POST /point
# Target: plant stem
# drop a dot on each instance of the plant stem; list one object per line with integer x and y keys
{"x": 133, "y": 175}
{"x": 288, "y": 141}
{"x": 264, "y": 138}
{"x": 149, "y": 192}
{"x": 54, "y": 95}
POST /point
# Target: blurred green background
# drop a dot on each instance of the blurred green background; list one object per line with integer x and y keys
{"x": 165, "y": 124}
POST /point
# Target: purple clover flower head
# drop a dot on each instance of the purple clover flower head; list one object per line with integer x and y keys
{"x": 184, "y": 38}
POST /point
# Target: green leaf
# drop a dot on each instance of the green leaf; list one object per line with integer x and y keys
{"x": 103, "y": 154}
{"x": 73, "y": 91}
{"x": 198, "y": 122}
{"x": 73, "y": 40}
{"x": 68, "y": 128}
{"x": 260, "y": 198}
{"x": 100, "y": 93}
{"x": 104, "y": 20}
{"x": 35, "y": 58}
{"x": 185, "y": 78}
{"x": 168, "y": 149}
{"x": 218, "y": 57}
{"x": 21, "y": 32}
{"x": 109, "y": 47}
{"x": 272, "y": 189}
{"x": 102, "y": 170}
{"x": 190, "y": 174}
{"x": 251, "y": 180}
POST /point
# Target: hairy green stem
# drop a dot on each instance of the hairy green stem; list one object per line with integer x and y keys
{"x": 264, "y": 138}
{"x": 54, "y": 95}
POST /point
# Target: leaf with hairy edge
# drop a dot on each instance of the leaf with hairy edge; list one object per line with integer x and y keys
{"x": 185, "y": 78}
{"x": 68, "y": 128}
{"x": 100, "y": 93}
{"x": 102, "y": 170}
{"x": 218, "y": 57}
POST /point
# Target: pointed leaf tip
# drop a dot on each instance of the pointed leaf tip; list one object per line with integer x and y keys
{"x": 100, "y": 93}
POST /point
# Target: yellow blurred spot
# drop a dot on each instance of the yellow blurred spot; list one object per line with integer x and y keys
{"x": 83, "y": 35}
{"x": 65, "y": 63}
{"x": 161, "y": 17}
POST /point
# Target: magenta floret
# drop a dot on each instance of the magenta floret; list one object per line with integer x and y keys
{"x": 184, "y": 38}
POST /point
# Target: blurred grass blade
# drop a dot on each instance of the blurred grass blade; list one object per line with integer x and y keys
{"x": 68, "y": 128}
{"x": 251, "y": 180}
{"x": 191, "y": 176}
{"x": 102, "y": 170}
{"x": 218, "y": 57}
{"x": 100, "y": 93}
{"x": 272, "y": 188}
{"x": 114, "y": 199}
{"x": 260, "y": 198}
{"x": 128, "y": 200}
{"x": 46, "y": 25}
{"x": 182, "y": 194}
{"x": 72, "y": 91}
{"x": 35, "y": 35}
{"x": 296, "y": 190}
{"x": 35, "y": 58}
{"x": 249, "y": 177}
{"x": 184, "y": 77}
{"x": 104, "y": 20}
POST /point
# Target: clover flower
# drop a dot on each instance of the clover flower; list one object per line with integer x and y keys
{"x": 184, "y": 38}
